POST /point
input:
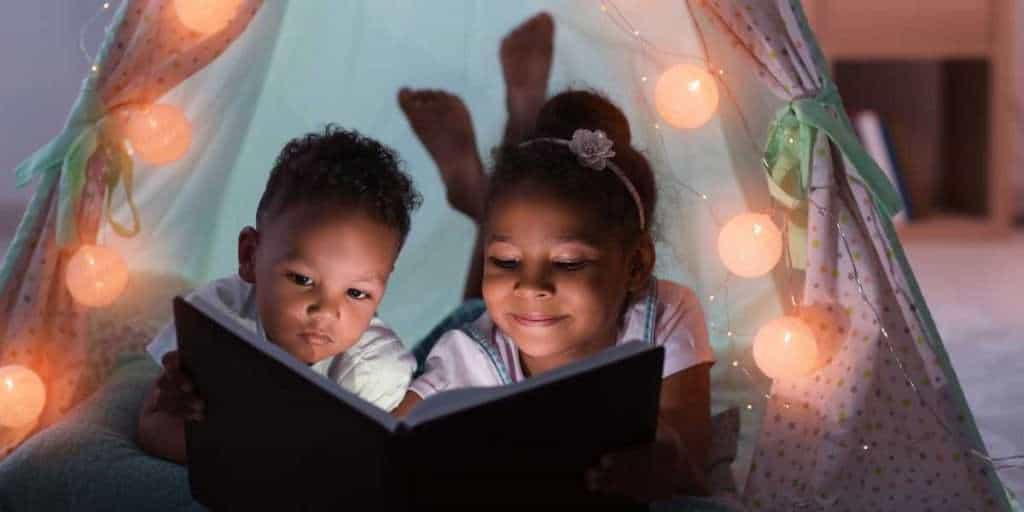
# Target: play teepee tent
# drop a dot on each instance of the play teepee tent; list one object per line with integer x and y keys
{"x": 876, "y": 421}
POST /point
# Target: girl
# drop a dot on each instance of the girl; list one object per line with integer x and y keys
{"x": 568, "y": 259}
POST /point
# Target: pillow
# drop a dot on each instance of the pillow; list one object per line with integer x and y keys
{"x": 725, "y": 432}
{"x": 89, "y": 460}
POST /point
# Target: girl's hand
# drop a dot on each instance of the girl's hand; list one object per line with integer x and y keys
{"x": 176, "y": 395}
{"x": 647, "y": 473}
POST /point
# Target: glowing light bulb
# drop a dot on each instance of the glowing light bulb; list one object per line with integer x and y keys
{"x": 786, "y": 348}
{"x": 158, "y": 134}
{"x": 96, "y": 276}
{"x": 206, "y": 16}
{"x": 22, "y": 396}
{"x": 686, "y": 96}
{"x": 750, "y": 245}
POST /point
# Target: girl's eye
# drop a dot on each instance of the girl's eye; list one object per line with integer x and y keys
{"x": 571, "y": 265}
{"x": 300, "y": 279}
{"x": 505, "y": 264}
{"x": 357, "y": 294}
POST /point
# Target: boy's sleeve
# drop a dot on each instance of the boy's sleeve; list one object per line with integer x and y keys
{"x": 381, "y": 370}
{"x": 225, "y": 292}
{"x": 681, "y": 329}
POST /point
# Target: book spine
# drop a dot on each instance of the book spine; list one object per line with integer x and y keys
{"x": 395, "y": 478}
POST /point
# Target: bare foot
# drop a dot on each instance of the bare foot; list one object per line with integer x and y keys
{"x": 442, "y": 123}
{"x": 526, "y": 64}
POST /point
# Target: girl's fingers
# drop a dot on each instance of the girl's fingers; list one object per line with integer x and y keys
{"x": 635, "y": 473}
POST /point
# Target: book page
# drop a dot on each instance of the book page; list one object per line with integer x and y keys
{"x": 449, "y": 402}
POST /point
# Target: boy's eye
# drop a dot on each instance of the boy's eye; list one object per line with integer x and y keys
{"x": 571, "y": 265}
{"x": 300, "y": 279}
{"x": 357, "y": 294}
{"x": 506, "y": 264}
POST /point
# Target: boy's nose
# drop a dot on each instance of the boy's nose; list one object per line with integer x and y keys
{"x": 325, "y": 307}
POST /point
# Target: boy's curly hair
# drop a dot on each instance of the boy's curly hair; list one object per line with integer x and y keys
{"x": 341, "y": 169}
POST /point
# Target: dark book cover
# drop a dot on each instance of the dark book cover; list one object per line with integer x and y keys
{"x": 276, "y": 434}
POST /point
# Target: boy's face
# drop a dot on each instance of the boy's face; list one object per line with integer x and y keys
{"x": 318, "y": 277}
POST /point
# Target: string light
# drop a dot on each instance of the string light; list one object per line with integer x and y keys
{"x": 96, "y": 276}
{"x": 686, "y": 96}
{"x": 206, "y": 16}
{"x": 85, "y": 28}
{"x": 22, "y": 396}
{"x": 618, "y": 19}
{"x": 158, "y": 134}
{"x": 785, "y": 348}
{"x": 750, "y": 245}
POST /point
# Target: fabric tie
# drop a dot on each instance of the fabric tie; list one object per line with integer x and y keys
{"x": 789, "y": 157}
{"x": 87, "y": 130}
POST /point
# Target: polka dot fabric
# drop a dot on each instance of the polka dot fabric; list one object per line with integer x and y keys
{"x": 855, "y": 435}
{"x": 153, "y": 52}
{"x": 149, "y": 53}
{"x": 43, "y": 328}
{"x": 878, "y": 426}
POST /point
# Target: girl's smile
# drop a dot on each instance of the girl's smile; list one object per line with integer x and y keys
{"x": 551, "y": 281}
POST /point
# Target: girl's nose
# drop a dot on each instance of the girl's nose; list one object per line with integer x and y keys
{"x": 534, "y": 285}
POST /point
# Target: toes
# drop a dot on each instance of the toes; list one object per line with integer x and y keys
{"x": 542, "y": 22}
{"x": 540, "y": 27}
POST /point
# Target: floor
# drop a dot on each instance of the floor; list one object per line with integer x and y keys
{"x": 976, "y": 294}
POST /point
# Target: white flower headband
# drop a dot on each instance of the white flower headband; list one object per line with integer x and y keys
{"x": 593, "y": 150}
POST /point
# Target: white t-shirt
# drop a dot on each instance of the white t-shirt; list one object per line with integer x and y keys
{"x": 377, "y": 368}
{"x": 667, "y": 314}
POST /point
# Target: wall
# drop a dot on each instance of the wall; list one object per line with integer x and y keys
{"x": 1018, "y": 176}
{"x": 42, "y": 67}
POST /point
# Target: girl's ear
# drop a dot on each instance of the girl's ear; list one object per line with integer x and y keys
{"x": 248, "y": 241}
{"x": 641, "y": 263}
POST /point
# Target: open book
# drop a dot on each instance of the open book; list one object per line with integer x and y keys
{"x": 278, "y": 435}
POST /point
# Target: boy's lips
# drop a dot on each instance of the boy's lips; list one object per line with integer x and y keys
{"x": 316, "y": 338}
{"x": 537, "y": 319}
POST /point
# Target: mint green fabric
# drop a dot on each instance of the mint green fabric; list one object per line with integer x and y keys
{"x": 789, "y": 155}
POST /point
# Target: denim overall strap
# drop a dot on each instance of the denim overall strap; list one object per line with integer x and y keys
{"x": 650, "y": 310}
{"x": 490, "y": 347}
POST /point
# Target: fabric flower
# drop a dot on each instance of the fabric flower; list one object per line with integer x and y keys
{"x": 592, "y": 148}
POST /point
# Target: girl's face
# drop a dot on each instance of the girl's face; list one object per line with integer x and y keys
{"x": 318, "y": 277}
{"x": 555, "y": 280}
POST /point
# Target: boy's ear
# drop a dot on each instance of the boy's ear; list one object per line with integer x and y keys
{"x": 248, "y": 241}
{"x": 641, "y": 264}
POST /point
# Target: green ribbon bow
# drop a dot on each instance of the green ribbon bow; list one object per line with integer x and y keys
{"x": 789, "y": 156}
{"x": 69, "y": 153}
